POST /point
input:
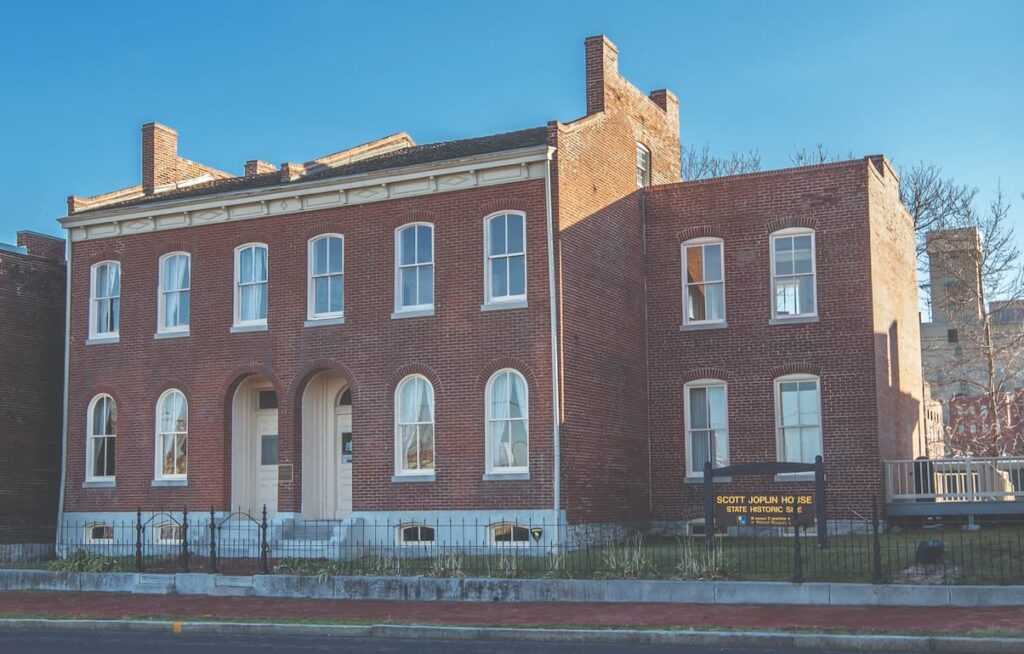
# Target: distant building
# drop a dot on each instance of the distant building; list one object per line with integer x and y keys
{"x": 32, "y": 296}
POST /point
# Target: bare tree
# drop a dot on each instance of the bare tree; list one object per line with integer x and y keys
{"x": 982, "y": 301}
{"x": 701, "y": 164}
{"x": 934, "y": 201}
{"x": 819, "y": 154}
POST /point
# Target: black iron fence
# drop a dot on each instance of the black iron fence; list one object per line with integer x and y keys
{"x": 241, "y": 543}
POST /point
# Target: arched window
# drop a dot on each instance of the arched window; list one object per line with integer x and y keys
{"x": 794, "y": 293}
{"x": 798, "y": 418}
{"x": 508, "y": 426}
{"x": 507, "y": 534}
{"x": 172, "y": 435}
{"x": 105, "y": 300}
{"x": 703, "y": 282}
{"x": 415, "y": 534}
{"x": 251, "y": 285}
{"x": 174, "y": 293}
{"x": 505, "y": 260}
{"x": 414, "y": 426}
{"x": 707, "y": 425}
{"x": 326, "y": 277}
{"x": 102, "y": 434}
{"x": 414, "y": 268}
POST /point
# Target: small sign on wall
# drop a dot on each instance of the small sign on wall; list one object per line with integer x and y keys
{"x": 285, "y": 472}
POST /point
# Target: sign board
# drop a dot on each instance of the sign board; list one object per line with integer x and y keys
{"x": 764, "y": 509}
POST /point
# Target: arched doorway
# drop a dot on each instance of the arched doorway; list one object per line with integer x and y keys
{"x": 327, "y": 447}
{"x": 254, "y": 447}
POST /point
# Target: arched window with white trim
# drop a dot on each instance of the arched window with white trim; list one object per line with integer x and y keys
{"x": 415, "y": 534}
{"x": 508, "y": 534}
{"x": 326, "y": 277}
{"x": 173, "y": 303}
{"x": 707, "y": 425}
{"x": 703, "y": 282}
{"x": 172, "y": 435}
{"x": 414, "y": 268}
{"x": 508, "y": 424}
{"x": 414, "y": 426}
{"x": 105, "y": 300}
{"x": 251, "y": 275}
{"x": 794, "y": 292}
{"x": 798, "y": 418}
{"x": 505, "y": 257}
{"x": 102, "y": 435}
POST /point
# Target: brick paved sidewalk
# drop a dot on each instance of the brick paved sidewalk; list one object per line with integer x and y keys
{"x": 904, "y": 620}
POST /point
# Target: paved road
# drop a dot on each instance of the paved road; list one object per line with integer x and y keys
{"x": 69, "y": 642}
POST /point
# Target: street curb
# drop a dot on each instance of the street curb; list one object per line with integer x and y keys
{"x": 756, "y": 639}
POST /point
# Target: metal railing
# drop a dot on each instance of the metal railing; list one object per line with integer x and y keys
{"x": 969, "y": 479}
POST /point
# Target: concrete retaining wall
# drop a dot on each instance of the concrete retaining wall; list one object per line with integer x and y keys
{"x": 517, "y": 590}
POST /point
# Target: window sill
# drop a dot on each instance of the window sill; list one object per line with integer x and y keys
{"x": 162, "y": 335}
{"x": 242, "y": 329}
{"x": 795, "y": 320}
{"x": 164, "y": 483}
{"x": 100, "y": 483}
{"x": 102, "y": 340}
{"x": 501, "y": 306}
{"x": 700, "y": 327}
{"x": 700, "y": 480}
{"x": 410, "y": 478}
{"x": 412, "y": 313}
{"x": 795, "y": 477}
{"x": 322, "y": 322}
{"x": 506, "y": 476}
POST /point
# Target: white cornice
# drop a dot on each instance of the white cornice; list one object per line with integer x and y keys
{"x": 423, "y": 179}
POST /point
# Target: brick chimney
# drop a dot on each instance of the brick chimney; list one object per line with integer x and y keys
{"x": 159, "y": 156}
{"x": 602, "y": 66}
{"x": 41, "y": 245}
{"x": 255, "y": 167}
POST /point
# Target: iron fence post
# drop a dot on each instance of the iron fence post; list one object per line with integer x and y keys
{"x": 798, "y": 572}
{"x": 213, "y": 542}
{"x": 184, "y": 538}
{"x": 821, "y": 515}
{"x": 709, "y": 508}
{"x": 876, "y": 557}
{"x": 138, "y": 540}
{"x": 264, "y": 547}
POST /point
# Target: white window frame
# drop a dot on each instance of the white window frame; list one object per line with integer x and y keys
{"x": 158, "y": 540}
{"x": 90, "y": 453}
{"x": 94, "y": 300}
{"x": 399, "y": 535}
{"x": 88, "y": 537}
{"x": 492, "y": 535}
{"x": 702, "y": 383}
{"x": 158, "y": 472}
{"x": 399, "y": 266}
{"x": 489, "y": 431}
{"x": 489, "y": 297}
{"x": 684, "y": 253}
{"x": 792, "y": 232}
{"x": 779, "y": 437}
{"x": 643, "y": 165}
{"x": 400, "y": 469}
{"x": 259, "y": 322}
{"x": 312, "y": 276}
{"x": 162, "y": 291}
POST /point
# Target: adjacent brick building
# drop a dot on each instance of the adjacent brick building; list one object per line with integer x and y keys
{"x": 32, "y": 290}
{"x": 484, "y": 332}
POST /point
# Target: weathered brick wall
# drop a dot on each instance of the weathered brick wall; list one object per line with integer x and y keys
{"x": 601, "y": 285}
{"x": 750, "y": 353}
{"x": 458, "y": 348}
{"x": 31, "y": 383}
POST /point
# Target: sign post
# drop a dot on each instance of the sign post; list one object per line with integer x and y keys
{"x": 765, "y": 509}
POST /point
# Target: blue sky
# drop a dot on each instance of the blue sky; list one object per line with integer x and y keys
{"x": 941, "y": 82}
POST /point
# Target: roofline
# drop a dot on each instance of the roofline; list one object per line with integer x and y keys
{"x": 291, "y": 189}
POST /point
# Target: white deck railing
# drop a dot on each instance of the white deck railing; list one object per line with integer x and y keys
{"x": 996, "y": 479}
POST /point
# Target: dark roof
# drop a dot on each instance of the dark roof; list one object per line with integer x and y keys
{"x": 419, "y": 154}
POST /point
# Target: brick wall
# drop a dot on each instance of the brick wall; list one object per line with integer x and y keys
{"x": 750, "y": 353}
{"x": 457, "y": 349}
{"x": 31, "y": 382}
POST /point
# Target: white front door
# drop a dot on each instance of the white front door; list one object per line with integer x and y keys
{"x": 266, "y": 453}
{"x": 343, "y": 460}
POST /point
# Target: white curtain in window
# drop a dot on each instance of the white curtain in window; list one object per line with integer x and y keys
{"x": 508, "y": 421}
{"x": 415, "y": 424}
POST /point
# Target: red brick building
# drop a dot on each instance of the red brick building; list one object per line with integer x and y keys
{"x": 486, "y": 331}
{"x": 32, "y": 296}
